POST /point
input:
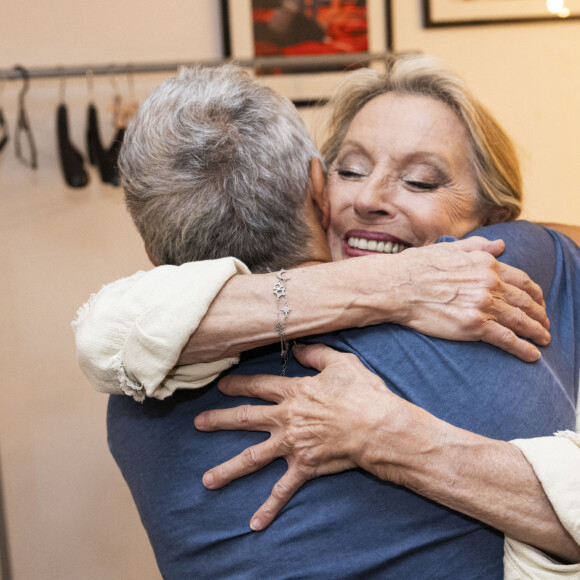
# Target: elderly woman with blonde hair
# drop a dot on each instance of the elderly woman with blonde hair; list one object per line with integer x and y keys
{"x": 367, "y": 152}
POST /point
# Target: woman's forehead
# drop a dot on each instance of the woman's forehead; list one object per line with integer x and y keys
{"x": 407, "y": 112}
{"x": 408, "y": 125}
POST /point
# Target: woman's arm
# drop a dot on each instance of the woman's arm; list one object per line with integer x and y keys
{"x": 346, "y": 417}
{"x": 450, "y": 290}
{"x": 129, "y": 337}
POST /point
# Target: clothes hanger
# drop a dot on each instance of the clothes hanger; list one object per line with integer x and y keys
{"x": 71, "y": 160}
{"x": 98, "y": 155}
{"x": 120, "y": 122}
{"x": 122, "y": 114}
{"x": 23, "y": 125}
{"x": 128, "y": 110}
{"x": 91, "y": 142}
{"x": 4, "y": 135}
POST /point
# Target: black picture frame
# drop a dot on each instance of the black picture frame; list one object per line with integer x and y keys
{"x": 306, "y": 80}
{"x": 440, "y": 13}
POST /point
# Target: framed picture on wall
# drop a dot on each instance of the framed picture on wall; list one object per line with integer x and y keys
{"x": 465, "y": 12}
{"x": 302, "y": 47}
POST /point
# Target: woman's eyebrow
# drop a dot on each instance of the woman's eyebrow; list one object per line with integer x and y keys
{"x": 422, "y": 156}
{"x": 352, "y": 146}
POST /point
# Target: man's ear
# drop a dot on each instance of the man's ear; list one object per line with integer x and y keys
{"x": 319, "y": 196}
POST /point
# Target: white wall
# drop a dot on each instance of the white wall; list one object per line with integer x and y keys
{"x": 69, "y": 512}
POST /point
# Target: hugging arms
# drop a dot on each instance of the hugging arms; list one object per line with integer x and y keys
{"x": 391, "y": 213}
{"x": 491, "y": 403}
{"x": 347, "y": 417}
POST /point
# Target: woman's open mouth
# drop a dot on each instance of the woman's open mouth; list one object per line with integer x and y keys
{"x": 374, "y": 246}
{"x": 356, "y": 244}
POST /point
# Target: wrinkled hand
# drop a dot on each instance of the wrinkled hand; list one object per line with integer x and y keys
{"x": 459, "y": 291}
{"x": 320, "y": 424}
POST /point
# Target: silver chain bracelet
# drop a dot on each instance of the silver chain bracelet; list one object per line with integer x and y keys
{"x": 282, "y": 311}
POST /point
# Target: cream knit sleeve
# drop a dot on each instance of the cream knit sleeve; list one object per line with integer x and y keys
{"x": 129, "y": 335}
{"x": 556, "y": 462}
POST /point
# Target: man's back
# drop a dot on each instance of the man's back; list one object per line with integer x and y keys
{"x": 351, "y": 524}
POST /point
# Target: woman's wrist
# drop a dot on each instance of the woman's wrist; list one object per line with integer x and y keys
{"x": 381, "y": 291}
{"x": 323, "y": 298}
{"x": 486, "y": 479}
{"x": 405, "y": 442}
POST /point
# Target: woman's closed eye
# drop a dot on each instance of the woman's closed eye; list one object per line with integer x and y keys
{"x": 349, "y": 173}
{"x": 422, "y": 185}
{"x": 424, "y": 177}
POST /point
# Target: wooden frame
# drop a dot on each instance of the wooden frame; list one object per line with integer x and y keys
{"x": 469, "y": 12}
{"x": 306, "y": 79}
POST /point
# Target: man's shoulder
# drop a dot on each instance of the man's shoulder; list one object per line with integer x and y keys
{"x": 543, "y": 253}
{"x": 522, "y": 238}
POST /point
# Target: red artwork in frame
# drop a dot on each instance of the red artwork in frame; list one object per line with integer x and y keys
{"x": 309, "y": 27}
{"x": 301, "y": 47}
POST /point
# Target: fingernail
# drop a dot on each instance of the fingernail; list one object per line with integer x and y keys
{"x": 208, "y": 480}
{"x": 256, "y": 525}
{"x": 547, "y": 337}
{"x": 199, "y": 421}
{"x": 298, "y": 346}
{"x": 537, "y": 354}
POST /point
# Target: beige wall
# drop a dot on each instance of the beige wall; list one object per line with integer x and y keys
{"x": 69, "y": 512}
{"x": 529, "y": 77}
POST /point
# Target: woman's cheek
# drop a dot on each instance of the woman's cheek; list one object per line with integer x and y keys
{"x": 334, "y": 242}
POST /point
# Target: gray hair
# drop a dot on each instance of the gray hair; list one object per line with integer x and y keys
{"x": 213, "y": 165}
{"x": 493, "y": 157}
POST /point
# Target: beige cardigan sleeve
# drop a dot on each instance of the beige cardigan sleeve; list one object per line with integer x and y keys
{"x": 129, "y": 335}
{"x": 556, "y": 461}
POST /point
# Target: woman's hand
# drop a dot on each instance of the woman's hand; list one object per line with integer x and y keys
{"x": 320, "y": 425}
{"x": 346, "y": 417}
{"x": 459, "y": 291}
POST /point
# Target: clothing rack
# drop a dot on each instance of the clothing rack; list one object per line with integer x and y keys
{"x": 313, "y": 63}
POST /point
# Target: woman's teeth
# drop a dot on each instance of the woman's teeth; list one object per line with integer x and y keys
{"x": 374, "y": 246}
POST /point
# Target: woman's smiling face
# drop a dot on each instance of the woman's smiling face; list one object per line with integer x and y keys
{"x": 402, "y": 177}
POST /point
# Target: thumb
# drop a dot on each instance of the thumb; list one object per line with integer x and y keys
{"x": 479, "y": 243}
{"x": 317, "y": 356}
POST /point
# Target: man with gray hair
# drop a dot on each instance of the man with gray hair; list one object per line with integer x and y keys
{"x": 350, "y": 525}
{"x": 200, "y": 167}
{"x": 213, "y": 160}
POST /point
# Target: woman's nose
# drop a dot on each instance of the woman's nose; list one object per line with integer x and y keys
{"x": 374, "y": 199}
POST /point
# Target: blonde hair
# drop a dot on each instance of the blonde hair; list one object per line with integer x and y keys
{"x": 493, "y": 156}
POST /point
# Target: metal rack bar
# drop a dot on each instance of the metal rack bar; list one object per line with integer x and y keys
{"x": 306, "y": 63}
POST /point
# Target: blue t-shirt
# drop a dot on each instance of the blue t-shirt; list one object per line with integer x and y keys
{"x": 352, "y": 525}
